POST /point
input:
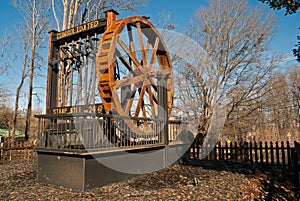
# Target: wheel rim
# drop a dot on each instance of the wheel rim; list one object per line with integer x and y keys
{"x": 131, "y": 58}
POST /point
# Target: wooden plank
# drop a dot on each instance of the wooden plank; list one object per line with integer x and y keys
{"x": 124, "y": 61}
{"x": 153, "y": 54}
{"x": 150, "y": 93}
{"x": 144, "y": 59}
{"x": 241, "y": 151}
{"x": 289, "y": 153}
{"x": 220, "y": 150}
{"x": 277, "y": 154}
{"x": 231, "y": 151}
{"x": 267, "y": 154}
{"x": 194, "y": 151}
{"x": 226, "y": 151}
{"x": 198, "y": 149}
{"x": 130, "y": 53}
{"x": 215, "y": 152}
{"x": 283, "y": 154}
{"x": 140, "y": 101}
{"x": 246, "y": 152}
{"x": 272, "y": 153}
{"x": 223, "y": 152}
{"x": 261, "y": 156}
{"x": 297, "y": 163}
{"x": 251, "y": 156}
{"x": 255, "y": 152}
{"x": 236, "y": 151}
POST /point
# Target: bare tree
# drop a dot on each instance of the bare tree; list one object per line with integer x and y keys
{"x": 36, "y": 19}
{"x": 277, "y": 116}
{"x": 294, "y": 84}
{"x": 69, "y": 13}
{"x": 4, "y": 54}
{"x": 234, "y": 68}
{"x": 18, "y": 92}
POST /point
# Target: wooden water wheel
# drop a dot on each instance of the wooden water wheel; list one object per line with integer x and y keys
{"x": 131, "y": 60}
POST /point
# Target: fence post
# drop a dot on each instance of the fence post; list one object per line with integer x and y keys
{"x": 261, "y": 156}
{"x": 272, "y": 153}
{"x": 220, "y": 150}
{"x": 236, "y": 154}
{"x": 198, "y": 149}
{"x": 226, "y": 151}
{"x": 231, "y": 151}
{"x": 241, "y": 152}
{"x": 283, "y": 154}
{"x": 288, "y": 151}
{"x": 297, "y": 163}
{"x": 215, "y": 152}
{"x": 277, "y": 154}
{"x": 194, "y": 150}
{"x": 255, "y": 152}
{"x": 246, "y": 151}
{"x": 250, "y": 152}
{"x": 267, "y": 154}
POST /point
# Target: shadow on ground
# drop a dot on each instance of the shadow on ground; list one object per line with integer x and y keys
{"x": 276, "y": 183}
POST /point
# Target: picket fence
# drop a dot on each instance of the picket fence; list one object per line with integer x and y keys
{"x": 12, "y": 151}
{"x": 278, "y": 154}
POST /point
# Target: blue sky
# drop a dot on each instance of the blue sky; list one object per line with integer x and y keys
{"x": 181, "y": 13}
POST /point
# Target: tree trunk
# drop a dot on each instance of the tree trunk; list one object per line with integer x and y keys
{"x": 17, "y": 104}
{"x": 29, "y": 106}
{"x": 15, "y": 117}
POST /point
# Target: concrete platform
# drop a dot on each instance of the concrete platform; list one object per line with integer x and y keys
{"x": 83, "y": 169}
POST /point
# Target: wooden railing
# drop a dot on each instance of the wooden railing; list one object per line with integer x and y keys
{"x": 10, "y": 151}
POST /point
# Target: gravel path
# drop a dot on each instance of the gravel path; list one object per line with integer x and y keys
{"x": 205, "y": 180}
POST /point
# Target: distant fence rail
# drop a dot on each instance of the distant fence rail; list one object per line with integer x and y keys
{"x": 12, "y": 151}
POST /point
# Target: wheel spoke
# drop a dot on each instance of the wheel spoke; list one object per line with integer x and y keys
{"x": 147, "y": 48}
{"x": 150, "y": 94}
{"x": 140, "y": 101}
{"x": 130, "y": 54}
{"x": 130, "y": 101}
{"x": 153, "y": 55}
{"x": 123, "y": 60}
{"x": 144, "y": 114}
{"x": 129, "y": 81}
{"x": 131, "y": 43}
{"x": 138, "y": 26}
{"x": 160, "y": 73}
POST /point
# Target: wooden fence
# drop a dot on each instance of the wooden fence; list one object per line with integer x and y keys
{"x": 16, "y": 151}
{"x": 278, "y": 154}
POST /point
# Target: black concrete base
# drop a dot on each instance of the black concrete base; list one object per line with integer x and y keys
{"x": 75, "y": 171}
{"x": 82, "y": 171}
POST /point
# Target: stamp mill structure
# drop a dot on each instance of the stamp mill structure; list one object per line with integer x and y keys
{"x": 109, "y": 92}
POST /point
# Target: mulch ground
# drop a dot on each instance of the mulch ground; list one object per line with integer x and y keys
{"x": 200, "y": 180}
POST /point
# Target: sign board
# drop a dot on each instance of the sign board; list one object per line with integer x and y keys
{"x": 81, "y": 29}
{"x": 89, "y": 109}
